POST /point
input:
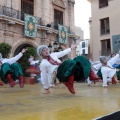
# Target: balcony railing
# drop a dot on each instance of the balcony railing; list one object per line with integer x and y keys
{"x": 54, "y": 25}
{"x": 10, "y": 12}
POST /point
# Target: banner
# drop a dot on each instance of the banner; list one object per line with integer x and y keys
{"x": 63, "y": 38}
{"x": 30, "y": 29}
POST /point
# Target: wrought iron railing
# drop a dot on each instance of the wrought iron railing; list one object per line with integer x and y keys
{"x": 54, "y": 25}
{"x": 10, "y": 12}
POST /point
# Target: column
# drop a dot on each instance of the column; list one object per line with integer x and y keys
{"x": 71, "y": 15}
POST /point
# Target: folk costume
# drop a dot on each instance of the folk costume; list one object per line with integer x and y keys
{"x": 49, "y": 64}
{"x": 107, "y": 70}
{"x": 10, "y": 70}
{"x": 32, "y": 69}
{"x": 67, "y": 72}
{"x": 95, "y": 66}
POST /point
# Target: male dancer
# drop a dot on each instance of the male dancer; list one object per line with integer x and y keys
{"x": 49, "y": 64}
{"x": 10, "y": 70}
{"x": 107, "y": 69}
{"x": 67, "y": 72}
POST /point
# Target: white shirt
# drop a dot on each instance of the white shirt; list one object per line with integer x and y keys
{"x": 96, "y": 67}
{"x": 113, "y": 60}
{"x": 33, "y": 62}
{"x": 47, "y": 68}
{"x": 108, "y": 73}
{"x": 12, "y": 60}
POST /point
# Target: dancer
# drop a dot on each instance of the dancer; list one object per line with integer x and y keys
{"x": 107, "y": 69}
{"x": 32, "y": 69}
{"x": 49, "y": 64}
{"x": 10, "y": 70}
{"x": 95, "y": 66}
{"x": 67, "y": 72}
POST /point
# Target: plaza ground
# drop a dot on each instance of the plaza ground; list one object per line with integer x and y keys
{"x": 29, "y": 104}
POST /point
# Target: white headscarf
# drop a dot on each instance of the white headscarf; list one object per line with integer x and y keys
{"x": 40, "y": 49}
{"x": 102, "y": 58}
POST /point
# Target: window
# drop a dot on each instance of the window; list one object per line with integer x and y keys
{"x": 105, "y": 47}
{"x": 27, "y": 6}
{"x": 58, "y": 17}
{"x": 104, "y": 28}
{"x": 103, "y": 3}
{"x": 83, "y": 44}
{"x": 83, "y": 51}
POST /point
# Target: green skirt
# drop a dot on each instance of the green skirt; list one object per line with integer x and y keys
{"x": 79, "y": 67}
{"x": 15, "y": 70}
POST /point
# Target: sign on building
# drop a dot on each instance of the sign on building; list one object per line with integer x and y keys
{"x": 30, "y": 29}
{"x": 84, "y": 47}
{"x": 63, "y": 38}
{"x": 116, "y": 43}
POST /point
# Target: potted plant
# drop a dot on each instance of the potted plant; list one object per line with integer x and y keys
{"x": 5, "y": 49}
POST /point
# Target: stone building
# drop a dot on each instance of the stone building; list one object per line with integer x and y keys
{"x": 49, "y": 14}
{"x": 104, "y": 27}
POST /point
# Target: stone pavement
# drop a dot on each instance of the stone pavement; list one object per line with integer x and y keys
{"x": 29, "y": 104}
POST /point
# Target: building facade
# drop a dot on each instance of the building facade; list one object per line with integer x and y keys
{"x": 49, "y": 14}
{"x": 80, "y": 33}
{"x": 104, "y": 27}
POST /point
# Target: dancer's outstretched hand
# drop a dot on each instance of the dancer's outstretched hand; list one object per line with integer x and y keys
{"x": 23, "y": 50}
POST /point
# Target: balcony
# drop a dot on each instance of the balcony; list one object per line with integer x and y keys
{"x": 54, "y": 25}
{"x": 10, "y": 12}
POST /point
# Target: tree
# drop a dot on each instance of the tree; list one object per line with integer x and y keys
{"x": 5, "y": 49}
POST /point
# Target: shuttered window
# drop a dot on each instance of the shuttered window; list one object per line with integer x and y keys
{"x": 105, "y": 47}
{"x": 27, "y": 6}
{"x": 103, "y": 3}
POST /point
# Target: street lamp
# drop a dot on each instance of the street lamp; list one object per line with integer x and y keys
{"x": 60, "y": 48}
{"x": 50, "y": 47}
{"x": 55, "y": 46}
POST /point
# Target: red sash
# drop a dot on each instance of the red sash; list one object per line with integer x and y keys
{"x": 52, "y": 61}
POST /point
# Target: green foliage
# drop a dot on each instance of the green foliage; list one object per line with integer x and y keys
{"x": 24, "y": 60}
{"x": 5, "y": 49}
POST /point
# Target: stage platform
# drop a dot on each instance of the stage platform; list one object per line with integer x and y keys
{"x": 29, "y": 103}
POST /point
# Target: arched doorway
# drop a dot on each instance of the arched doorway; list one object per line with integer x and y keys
{"x": 23, "y": 61}
{"x": 19, "y": 48}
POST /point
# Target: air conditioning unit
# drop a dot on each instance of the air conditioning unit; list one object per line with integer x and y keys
{"x": 11, "y": 22}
